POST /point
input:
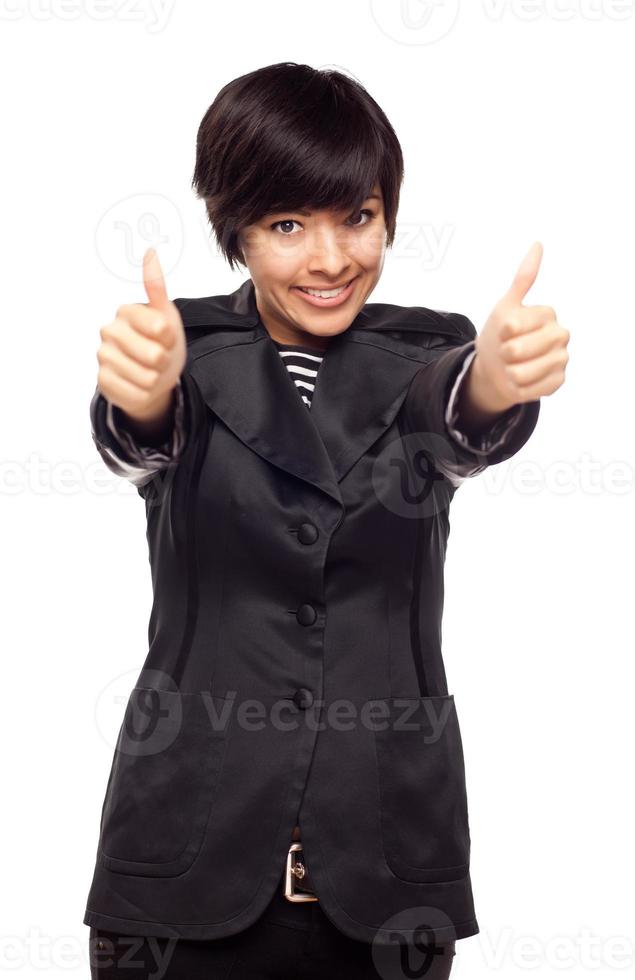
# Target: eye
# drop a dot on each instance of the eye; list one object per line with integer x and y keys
{"x": 355, "y": 224}
{"x": 286, "y": 221}
{"x": 371, "y": 215}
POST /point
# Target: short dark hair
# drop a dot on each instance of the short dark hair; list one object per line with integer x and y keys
{"x": 288, "y": 136}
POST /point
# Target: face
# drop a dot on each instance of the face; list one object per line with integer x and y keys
{"x": 323, "y": 250}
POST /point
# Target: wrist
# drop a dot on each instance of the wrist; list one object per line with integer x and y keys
{"x": 477, "y": 406}
{"x": 483, "y": 397}
{"x": 154, "y": 424}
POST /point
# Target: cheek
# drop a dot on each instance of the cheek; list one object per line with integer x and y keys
{"x": 372, "y": 259}
{"x": 286, "y": 254}
{"x": 371, "y": 248}
{"x": 278, "y": 258}
{"x": 262, "y": 248}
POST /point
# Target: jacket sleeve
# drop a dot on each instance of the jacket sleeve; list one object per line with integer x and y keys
{"x": 430, "y": 410}
{"x": 127, "y": 457}
{"x": 496, "y": 435}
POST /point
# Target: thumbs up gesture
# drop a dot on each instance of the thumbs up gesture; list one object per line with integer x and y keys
{"x": 521, "y": 351}
{"x": 143, "y": 352}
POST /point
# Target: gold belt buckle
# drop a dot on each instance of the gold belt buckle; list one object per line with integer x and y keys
{"x": 294, "y": 873}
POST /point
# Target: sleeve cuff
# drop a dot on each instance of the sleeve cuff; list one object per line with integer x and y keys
{"x": 137, "y": 453}
{"x": 499, "y": 433}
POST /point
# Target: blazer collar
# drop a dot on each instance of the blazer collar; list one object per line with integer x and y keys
{"x": 362, "y": 381}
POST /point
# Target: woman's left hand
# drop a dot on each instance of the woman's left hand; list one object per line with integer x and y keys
{"x": 521, "y": 351}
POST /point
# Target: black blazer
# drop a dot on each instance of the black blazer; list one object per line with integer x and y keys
{"x": 294, "y": 670}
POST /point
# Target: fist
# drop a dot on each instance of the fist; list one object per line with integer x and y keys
{"x": 522, "y": 350}
{"x": 143, "y": 351}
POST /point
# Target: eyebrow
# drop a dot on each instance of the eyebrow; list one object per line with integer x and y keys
{"x": 371, "y": 197}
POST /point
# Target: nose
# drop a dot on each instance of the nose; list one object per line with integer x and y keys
{"x": 326, "y": 255}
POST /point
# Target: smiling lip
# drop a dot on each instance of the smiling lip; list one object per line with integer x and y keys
{"x": 333, "y": 300}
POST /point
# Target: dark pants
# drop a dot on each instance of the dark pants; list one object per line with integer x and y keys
{"x": 290, "y": 941}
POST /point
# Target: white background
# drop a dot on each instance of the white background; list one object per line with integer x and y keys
{"x": 516, "y": 123}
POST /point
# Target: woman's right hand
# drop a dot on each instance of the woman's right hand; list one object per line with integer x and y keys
{"x": 143, "y": 353}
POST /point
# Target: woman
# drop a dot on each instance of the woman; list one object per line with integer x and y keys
{"x": 287, "y": 796}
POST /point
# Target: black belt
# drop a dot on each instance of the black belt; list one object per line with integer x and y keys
{"x": 297, "y": 883}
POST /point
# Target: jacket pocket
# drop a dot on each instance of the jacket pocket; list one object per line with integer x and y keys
{"x": 423, "y": 800}
{"x": 164, "y": 774}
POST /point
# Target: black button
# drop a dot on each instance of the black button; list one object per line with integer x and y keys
{"x": 307, "y": 533}
{"x": 303, "y": 698}
{"x": 306, "y": 615}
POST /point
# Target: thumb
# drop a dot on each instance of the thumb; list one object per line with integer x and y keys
{"x": 153, "y": 281}
{"x": 526, "y": 274}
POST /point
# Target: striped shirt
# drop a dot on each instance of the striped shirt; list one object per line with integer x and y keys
{"x": 303, "y": 364}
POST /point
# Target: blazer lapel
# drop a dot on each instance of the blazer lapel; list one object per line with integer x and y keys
{"x": 245, "y": 382}
{"x": 361, "y": 383}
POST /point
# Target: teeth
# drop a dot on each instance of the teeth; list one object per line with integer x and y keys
{"x": 323, "y": 293}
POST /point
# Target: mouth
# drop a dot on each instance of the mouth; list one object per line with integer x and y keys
{"x": 327, "y": 297}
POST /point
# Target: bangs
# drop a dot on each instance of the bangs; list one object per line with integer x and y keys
{"x": 315, "y": 158}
